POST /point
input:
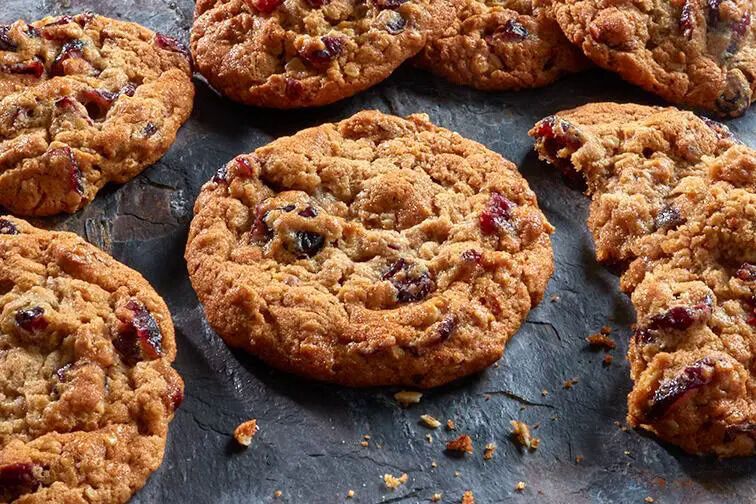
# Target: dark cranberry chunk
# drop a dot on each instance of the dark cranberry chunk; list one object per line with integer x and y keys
{"x": 32, "y": 31}
{"x": 149, "y": 129}
{"x": 511, "y": 31}
{"x": 18, "y": 477}
{"x": 175, "y": 396}
{"x": 7, "y": 227}
{"x": 75, "y": 175}
{"x": 171, "y": 44}
{"x": 221, "y": 176}
{"x": 129, "y": 89}
{"x": 62, "y": 373}
{"x": 66, "y": 103}
{"x": 316, "y": 4}
{"x": 34, "y": 68}
{"x": 98, "y": 102}
{"x": 139, "y": 336}
{"x": 307, "y": 243}
{"x": 411, "y": 285}
{"x": 32, "y": 319}
{"x": 678, "y": 318}
{"x": 388, "y": 4}
{"x": 396, "y": 23}
{"x": 713, "y": 6}
{"x": 71, "y": 49}
{"x": 446, "y": 328}
{"x": 308, "y": 212}
{"x": 264, "y": 6}
{"x": 668, "y": 218}
{"x": 732, "y": 431}
{"x": 752, "y": 307}
{"x": 471, "y": 256}
{"x": 6, "y": 43}
{"x": 747, "y": 272}
{"x": 496, "y": 215}
{"x": 244, "y": 167}
{"x": 289, "y": 208}
{"x": 321, "y": 58}
{"x": 671, "y": 391}
{"x": 687, "y": 20}
{"x": 293, "y": 88}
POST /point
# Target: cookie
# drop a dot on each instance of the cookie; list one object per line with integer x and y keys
{"x": 374, "y": 251}
{"x": 692, "y": 52}
{"x": 303, "y": 53}
{"x": 494, "y": 45}
{"x": 84, "y": 101}
{"x": 674, "y": 207}
{"x": 86, "y": 384}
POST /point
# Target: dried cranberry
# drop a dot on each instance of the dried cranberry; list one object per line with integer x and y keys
{"x": 71, "y": 49}
{"x": 32, "y": 319}
{"x": 388, "y": 4}
{"x": 84, "y": 18}
{"x": 32, "y": 31}
{"x": 139, "y": 336}
{"x": 671, "y": 391}
{"x": 128, "y": 89}
{"x": 66, "y": 103}
{"x": 288, "y": 208}
{"x": 221, "y": 176}
{"x": 293, "y": 88}
{"x": 316, "y": 4}
{"x": 496, "y": 215}
{"x": 7, "y": 227}
{"x": 512, "y": 31}
{"x": 75, "y": 175}
{"x": 309, "y": 212}
{"x": 149, "y": 129}
{"x": 409, "y": 284}
{"x": 171, "y": 44}
{"x": 687, "y": 19}
{"x": 752, "y": 316}
{"x": 739, "y": 28}
{"x": 175, "y": 396}
{"x": 747, "y": 272}
{"x": 17, "y": 476}
{"x": 6, "y": 43}
{"x": 264, "y": 6}
{"x": 396, "y": 24}
{"x": 244, "y": 167}
{"x": 678, "y": 318}
{"x": 471, "y": 256}
{"x": 713, "y": 6}
{"x": 446, "y": 328}
{"x": 61, "y": 20}
{"x": 308, "y": 243}
{"x": 668, "y": 218}
{"x": 34, "y": 68}
{"x": 97, "y": 102}
{"x": 734, "y": 430}
{"x": 321, "y": 58}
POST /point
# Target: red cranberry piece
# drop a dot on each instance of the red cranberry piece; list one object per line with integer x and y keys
{"x": 316, "y": 4}
{"x": 6, "y": 43}
{"x": 410, "y": 286}
{"x": 32, "y": 31}
{"x": 388, "y": 4}
{"x": 293, "y": 88}
{"x": 264, "y": 6}
{"x": 308, "y": 244}
{"x": 66, "y": 103}
{"x": 139, "y": 336}
{"x": 321, "y": 58}
{"x": 149, "y": 130}
{"x": 747, "y": 272}
{"x": 668, "y": 218}
{"x": 32, "y": 319}
{"x": 61, "y": 20}
{"x": 678, "y": 318}
{"x": 512, "y": 31}
{"x": 71, "y": 49}
{"x": 687, "y": 19}
{"x": 471, "y": 256}
{"x": 75, "y": 175}
{"x": 7, "y": 227}
{"x": 446, "y": 328}
{"x": 734, "y": 430}
{"x": 84, "y": 18}
{"x": 244, "y": 167}
{"x": 98, "y": 102}
{"x": 309, "y": 212}
{"x": 171, "y": 44}
{"x": 175, "y": 396}
{"x": 221, "y": 176}
{"x": 496, "y": 215}
{"x": 34, "y": 68}
{"x": 752, "y": 316}
{"x": 129, "y": 89}
{"x": 671, "y": 391}
{"x": 396, "y": 24}
{"x": 18, "y": 476}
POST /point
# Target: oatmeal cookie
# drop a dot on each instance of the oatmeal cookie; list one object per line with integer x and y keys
{"x": 374, "y": 251}
{"x": 674, "y": 206}
{"x": 86, "y": 384}
{"x": 84, "y": 100}
{"x": 501, "y": 45}
{"x": 302, "y": 53}
{"x": 700, "y": 53}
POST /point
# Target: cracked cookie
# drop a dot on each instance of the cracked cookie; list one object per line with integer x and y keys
{"x": 674, "y": 206}
{"x": 86, "y": 384}
{"x": 700, "y": 53}
{"x": 500, "y": 45}
{"x": 84, "y": 101}
{"x": 374, "y": 251}
{"x": 303, "y": 53}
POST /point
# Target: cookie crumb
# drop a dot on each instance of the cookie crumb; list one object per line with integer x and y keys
{"x": 544, "y": 392}
{"x": 436, "y": 497}
{"x": 350, "y": 494}
{"x": 457, "y": 474}
{"x": 520, "y": 486}
{"x": 579, "y": 458}
{"x": 463, "y": 444}
{"x": 407, "y": 397}
{"x": 555, "y": 298}
{"x": 648, "y": 500}
{"x": 245, "y": 432}
{"x": 450, "y": 425}
{"x": 601, "y": 340}
{"x": 429, "y": 438}
{"x": 608, "y": 359}
{"x": 364, "y": 443}
{"x": 521, "y": 434}
{"x": 627, "y": 452}
{"x": 278, "y": 494}
{"x": 430, "y": 422}
{"x": 392, "y": 482}
{"x": 468, "y": 498}
{"x": 568, "y": 384}
{"x": 489, "y": 451}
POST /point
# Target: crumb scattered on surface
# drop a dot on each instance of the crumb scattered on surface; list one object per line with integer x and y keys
{"x": 468, "y": 498}
{"x": 608, "y": 360}
{"x": 601, "y": 340}
{"x": 627, "y": 452}
{"x": 489, "y": 451}
{"x": 434, "y": 464}
{"x": 429, "y": 438}
{"x": 521, "y": 434}
{"x": 579, "y": 458}
{"x": 278, "y": 494}
{"x": 430, "y": 422}
{"x": 350, "y": 494}
{"x": 520, "y": 486}
{"x": 463, "y": 444}
{"x": 364, "y": 443}
{"x": 457, "y": 474}
{"x": 245, "y": 432}
{"x": 544, "y": 392}
{"x": 648, "y": 499}
{"x": 393, "y": 482}
{"x": 450, "y": 425}
{"x": 554, "y": 298}
{"x": 407, "y": 397}
{"x": 436, "y": 497}
{"x": 568, "y": 384}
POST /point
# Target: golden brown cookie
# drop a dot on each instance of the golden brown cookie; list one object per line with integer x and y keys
{"x": 373, "y": 251}
{"x": 674, "y": 205}
{"x": 86, "y": 100}
{"x": 700, "y": 53}
{"x": 86, "y": 384}
{"x": 303, "y": 53}
{"x": 500, "y": 45}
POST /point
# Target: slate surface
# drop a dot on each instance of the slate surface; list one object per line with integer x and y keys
{"x": 308, "y": 445}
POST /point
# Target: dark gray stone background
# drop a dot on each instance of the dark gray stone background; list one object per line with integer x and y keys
{"x": 308, "y": 445}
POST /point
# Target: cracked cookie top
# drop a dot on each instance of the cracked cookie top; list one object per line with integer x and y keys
{"x": 500, "y": 45}
{"x": 674, "y": 205}
{"x": 86, "y": 384}
{"x": 302, "y": 53}
{"x": 373, "y": 251}
{"x": 700, "y": 53}
{"x": 84, "y": 100}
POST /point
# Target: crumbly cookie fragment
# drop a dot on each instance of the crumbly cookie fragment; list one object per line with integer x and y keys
{"x": 674, "y": 204}
{"x": 86, "y": 347}
{"x": 377, "y": 250}
{"x": 86, "y": 100}
{"x": 693, "y": 52}
{"x": 495, "y": 46}
{"x": 303, "y": 53}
